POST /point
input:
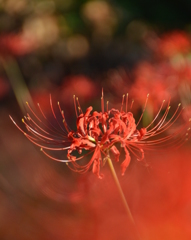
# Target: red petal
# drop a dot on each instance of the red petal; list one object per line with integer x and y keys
{"x": 126, "y": 162}
{"x": 96, "y": 168}
{"x": 142, "y": 155}
{"x": 87, "y": 143}
{"x": 142, "y": 132}
{"x": 80, "y": 125}
{"x": 104, "y": 138}
{"x": 96, "y": 164}
{"x": 116, "y": 152}
{"x": 88, "y": 110}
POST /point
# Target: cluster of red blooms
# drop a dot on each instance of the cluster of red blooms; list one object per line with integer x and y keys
{"x": 99, "y": 132}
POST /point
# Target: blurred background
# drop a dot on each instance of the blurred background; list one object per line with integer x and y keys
{"x": 66, "y": 47}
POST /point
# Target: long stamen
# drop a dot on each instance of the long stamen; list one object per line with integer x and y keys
{"x": 53, "y": 129}
{"x": 156, "y": 115}
{"x": 143, "y": 109}
{"x": 107, "y": 106}
{"x": 65, "y": 125}
{"x": 132, "y": 104}
{"x": 63, "y": 118}
{"x": 30, "y": 119}
{"x": 102, "y": 102}
{"x": 74, "y": 97}
{"x": 64, "y": 160}
{"x": 79, "y": 107}
{"x": 161, "y": 120}
{"x": 45, "y": 147}
{"x": 55, "y": 114}
{"x": 123, "y": 97}
{"x": 33, "y": 112}
{"x": 33, "y": 131}
{"x": 126, "y": 105}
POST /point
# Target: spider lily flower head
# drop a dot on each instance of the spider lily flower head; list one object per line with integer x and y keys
{"x": 98, "y": 134}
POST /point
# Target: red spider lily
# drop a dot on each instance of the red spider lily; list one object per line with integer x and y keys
{"x": 99, "y": 132}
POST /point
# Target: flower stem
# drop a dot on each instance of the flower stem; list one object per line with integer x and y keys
{"x": 122, "y": 195}
{"x": 120, "y": 191}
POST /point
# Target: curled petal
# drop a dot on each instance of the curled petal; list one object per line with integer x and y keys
{"x": 80, "y": 125}
{"x": 96, "y": 168}
{"x": 88, "y": 110}
{"x": 115, "y": 152}
{"x": 105, "y": 138}
{"x": 95, "y": 132}
{"x": 142, "y": 155}
{"x": 96, "y": 114}
{"x": 126, "y": 162}
{"x": 96, "y": 162}
{"x": 86, "y": 143}
{"x": 142, "y": 132}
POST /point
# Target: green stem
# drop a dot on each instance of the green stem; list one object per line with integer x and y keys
{"x": 120, "y": 191}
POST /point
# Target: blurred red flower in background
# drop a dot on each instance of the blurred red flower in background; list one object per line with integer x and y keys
{"x": 16, "y": 44}
{"x": 158, "y": 80}
{"x": 82, "y": 86}
{"x": 172, "y": 43}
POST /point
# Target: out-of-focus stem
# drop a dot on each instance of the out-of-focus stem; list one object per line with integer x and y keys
{"x": 17, "y": 82}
